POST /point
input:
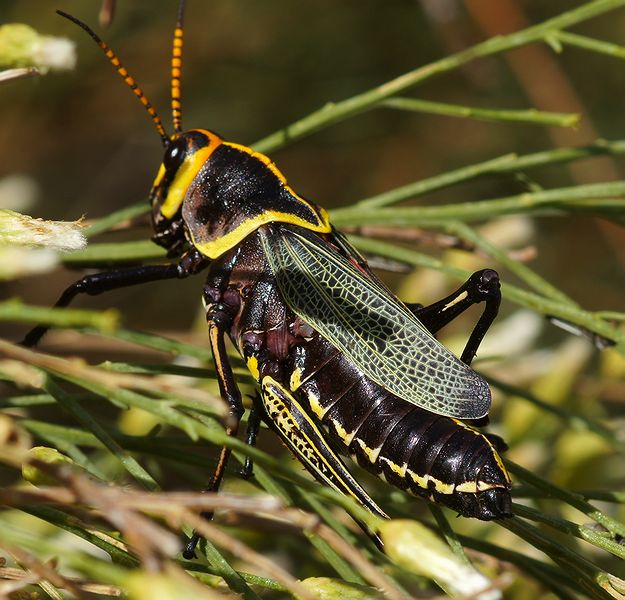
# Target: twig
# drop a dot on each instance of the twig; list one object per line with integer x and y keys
{"x": 339, "y": 111}
{"x": 534, "y": 116}
{"x": 19, "y": 73}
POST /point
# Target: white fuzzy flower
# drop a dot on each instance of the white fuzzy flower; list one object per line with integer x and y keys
{"x": 54, "y": 53}
{"x": 22, "y": 230}
{"x": 22, "y": 46}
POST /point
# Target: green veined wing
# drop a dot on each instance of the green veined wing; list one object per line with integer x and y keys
{"x": 370, "y": 326}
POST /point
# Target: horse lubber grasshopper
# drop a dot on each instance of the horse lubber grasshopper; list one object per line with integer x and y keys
{"x": 342, "y": 366}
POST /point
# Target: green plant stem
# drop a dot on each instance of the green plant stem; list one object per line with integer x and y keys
{"x": 558, "y": 199}
{"x": 610, "y": 315}
{"x": 249, "y": 578}
{"x": 592, "y": 536}
{"x": 117, "y": 218}
{"x": 159, "y": 342}
{"x": 528, "y": 299}
{"x": 223, "y": 568}
{"x": 134, "y": 469}
{"x": 27, "y": 401}
{"x": 448, "y": 533}
{"x": 344, "y": 569}
{"x": 115, "y": 253}
{"x": 533, "y": 116}
{"x": 174, "y": 449}
{"x": 603, "y": 495}
{"x": 76, "y": 454}
{"x": 171, "y": 369}
{"x": 576, "y": 420}
{"x": 339, "y": 111}
{"x": 587, "y": 43}
{"x": 575, "y": 500}
{"x": 532, "y": 279}
{"x": 72, "y": 525}
{"x": 102, "y": 321}
{"x": 583, "y": 572}
{"x": 508, "y": 163}
{"x": 438, "y": 182}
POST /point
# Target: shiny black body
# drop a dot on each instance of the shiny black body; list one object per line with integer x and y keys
{"x": 439, "y": 453}
{"x": 221, "y": 206}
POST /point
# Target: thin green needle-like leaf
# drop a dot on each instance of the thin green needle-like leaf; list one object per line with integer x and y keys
{"x": 115, "y": 253}
{"x": 531, "y": 278}
{"x": 576, "y": 420}
{"x": 130, "y": 464}
{"x": 538, "y": 202}
{"x": 223, "y": 568}
{"x": 338, "y": 111}
{"x": 159, "y": 342}
{"x": 17, "y": 312}
{"x": 448, "y": 533}
{"x": 508, "y": 163}
{"x": 575, "y": 500}
{"x": 581, "y": 41}
{"x": 592, "y": 536}
{"x": 587, "y": 575}
{"x": 72, "y": 525}
{"x": 424, "y": 186}
{"x": 116, "y": 218}
{"x": 528, "y": 299}
{"x": 534, "y": 116}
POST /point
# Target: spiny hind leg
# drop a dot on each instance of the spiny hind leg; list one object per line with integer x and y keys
{"x": 303, "y": 437}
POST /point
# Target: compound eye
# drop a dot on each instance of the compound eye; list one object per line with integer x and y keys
{"x": 175, "y": 155}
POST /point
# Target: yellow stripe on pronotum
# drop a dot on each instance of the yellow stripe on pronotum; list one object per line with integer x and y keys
{"x": 185, "y": 175}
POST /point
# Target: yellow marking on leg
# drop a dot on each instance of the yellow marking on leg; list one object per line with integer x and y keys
{"x": 213, "y": 334}
{"x": 458, "y": 298}
{"x": 252, "y": 365}
{"x": 296, "y": 379}
{"x": 300, "y": 442}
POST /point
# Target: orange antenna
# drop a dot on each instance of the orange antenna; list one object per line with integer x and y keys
{"x": 128, "y": 79}
{"x": 176, "y": 70}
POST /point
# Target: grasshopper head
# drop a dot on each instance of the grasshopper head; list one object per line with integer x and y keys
{"x": 184, "y": 157}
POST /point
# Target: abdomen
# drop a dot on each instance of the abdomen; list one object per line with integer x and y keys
{"x": 413, "y": 449}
